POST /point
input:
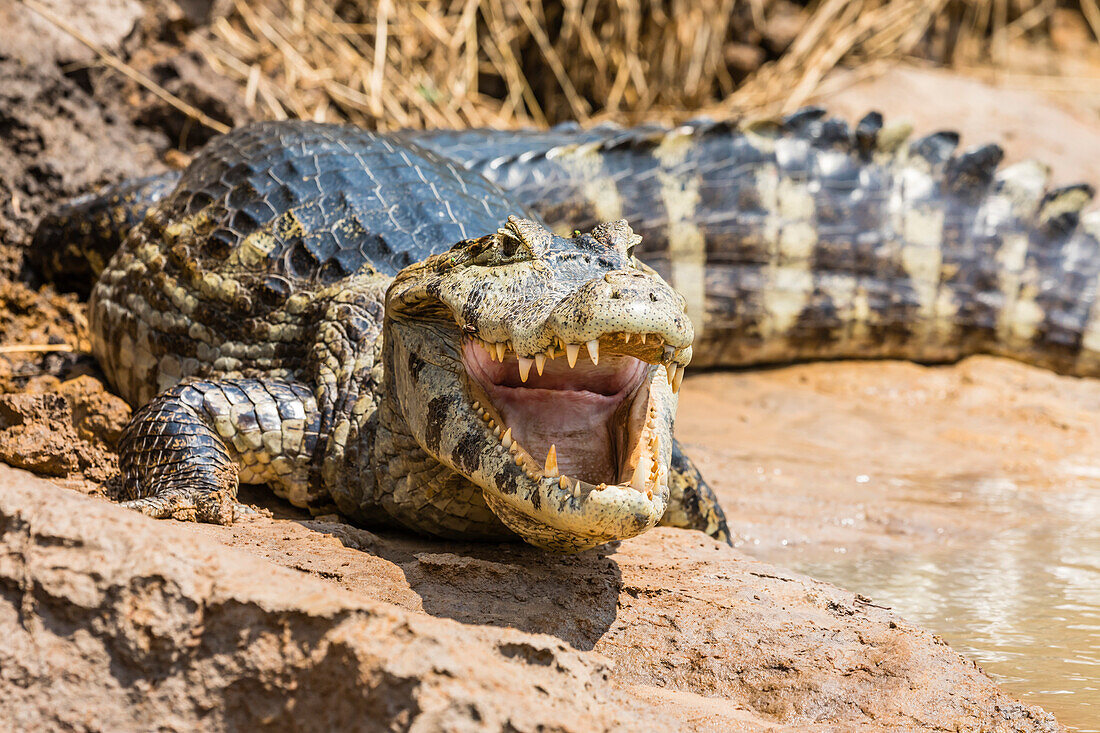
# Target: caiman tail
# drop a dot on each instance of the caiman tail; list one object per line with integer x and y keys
{"x": 73, "y": 243}
{"x": 806, "y": 239}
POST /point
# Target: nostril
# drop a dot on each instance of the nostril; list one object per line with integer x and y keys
{"x": 654, "y": 297}
{"x": 616, "y": 295}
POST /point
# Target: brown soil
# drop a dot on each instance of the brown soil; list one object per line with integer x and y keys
{"x": 103, "y": 629}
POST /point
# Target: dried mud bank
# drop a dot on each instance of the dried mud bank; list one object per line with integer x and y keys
{"x": 106, "y": 630}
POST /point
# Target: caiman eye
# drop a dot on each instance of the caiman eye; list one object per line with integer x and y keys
{"x": 508, "y": 252}
{"x": 618, "y": 236}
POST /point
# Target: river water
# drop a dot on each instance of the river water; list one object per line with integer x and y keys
{"x": 966, "y": 498}
{"x": 1025, "y": 604}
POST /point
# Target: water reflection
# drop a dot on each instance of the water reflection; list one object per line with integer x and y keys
{"x": 1024, "y": 604}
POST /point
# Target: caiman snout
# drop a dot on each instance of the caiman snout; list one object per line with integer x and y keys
{"x": 628, "y": 301}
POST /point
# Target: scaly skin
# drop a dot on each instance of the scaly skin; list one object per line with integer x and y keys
{"x": 806, "y": 239}
{"x": 256, "y": 313}
{"x": 790, "y": 240}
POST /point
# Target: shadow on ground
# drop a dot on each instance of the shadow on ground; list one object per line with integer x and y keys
{"x": 573, "y": 597}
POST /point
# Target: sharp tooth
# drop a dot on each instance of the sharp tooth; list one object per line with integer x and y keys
{"x": 572, "y": 351}
{"x": 477, "y": 405}
{"x": 563, "y": 482}
{"x": 669, "y": 352}
{"x": 501, "y": 348}
{"x": 540, "y": 362}
{"x": 577, "y": 490}
{"x": 594, "y": 350}
{"x": 551, "y": 469}
{"x": 492, "y": 424}
{"x": 485, "y": 416}
{"x": 670, "y": 369}
{"x": 506, "y": 439}
{"x": 519, "y": 459}
{"x": 677, "y": 380}
{"x": 643, "y": 338}
{"x": 626, "y": 338}
{"x": 496, "y": 431}
{"x": 641, "y": 473}
{"x": 525, "y": 367}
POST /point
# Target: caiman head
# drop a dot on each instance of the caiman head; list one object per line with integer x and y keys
{"x": 557, "y": 360}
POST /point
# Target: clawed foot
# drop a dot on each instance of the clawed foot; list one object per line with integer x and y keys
{"x": 189, "y": 506}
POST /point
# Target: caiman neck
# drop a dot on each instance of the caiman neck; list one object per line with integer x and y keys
{"x": 420, "y": 492}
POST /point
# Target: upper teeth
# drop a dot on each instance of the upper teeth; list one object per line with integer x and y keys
{"x": 594, "y": 350}
{"x": 572, "y": 351}
{"x": 497, "y": 350}
{"x": 525, "y": 367}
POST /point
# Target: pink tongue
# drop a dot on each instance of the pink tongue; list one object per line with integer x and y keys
{"x": 576, "y": 422}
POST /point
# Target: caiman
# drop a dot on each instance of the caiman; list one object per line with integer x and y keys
{"x": 413, "y": 326}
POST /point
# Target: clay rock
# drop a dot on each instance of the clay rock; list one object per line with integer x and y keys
{"x": 676, "y": 612}
{"x": 34, "y": 40}
{"x": 113, "y": 621}
{"x": 56, "y": 141}
{"x": 65, "y": 432}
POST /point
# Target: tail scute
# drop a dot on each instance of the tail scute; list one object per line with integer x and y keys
{"x": 1060, "y": 209}
{"x": 971, "y": 173}
{"x": 867, "y": 131}
{"x": 73, "y": 243}
{"x": 936, "y": 149}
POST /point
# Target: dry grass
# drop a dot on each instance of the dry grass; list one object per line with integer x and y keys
{"x": 458, "y": 63}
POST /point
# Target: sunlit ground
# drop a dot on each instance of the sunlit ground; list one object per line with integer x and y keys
{"x": 966, "y": 498}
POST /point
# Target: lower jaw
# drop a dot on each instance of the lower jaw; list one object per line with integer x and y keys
{"x": 620, "y": 514}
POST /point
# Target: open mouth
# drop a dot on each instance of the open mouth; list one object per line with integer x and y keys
{"x": 582, "y": 415}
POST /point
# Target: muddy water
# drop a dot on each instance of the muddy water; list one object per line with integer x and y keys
{"x": 965, "y": 497}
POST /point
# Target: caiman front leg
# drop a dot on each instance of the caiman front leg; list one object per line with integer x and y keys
{"x": 691, "y": 502}
{"x": 184, "y": 454}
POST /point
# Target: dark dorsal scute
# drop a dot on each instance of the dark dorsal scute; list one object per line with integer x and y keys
{"x": 314, "y": 203}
